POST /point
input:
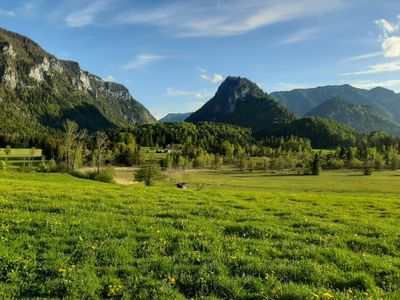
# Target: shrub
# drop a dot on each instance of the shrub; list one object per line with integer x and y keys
{"x": 79, "y": 174}
{"x": 148, "y": 174}
{"x": 3, "y": 165}
{"x": 367, "y": 168}
{"x": 52, "y": 166}
{"x": 315, "y": 167}
{"x": 105, "y": 175}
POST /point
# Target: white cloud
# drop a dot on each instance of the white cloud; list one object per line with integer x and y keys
{"x": 110, "y": 78}
{"x": 182, "y": 93}
{"x": 225, "y": 18}
{"x": 364, "y": 56}
{"x": 391, "y": 46}
{"x": 393, "y": 66}
{"x": 86, "y": 16}
{"x": 390, "y": 42}
{"x": 369, "y": 84}
{"x": 300, "y": 36}
{"x": 387, "y": 27}
{"x": 8, "y": 13}
{"x": 142, "y": 60}
{"x": 216, "y": 78}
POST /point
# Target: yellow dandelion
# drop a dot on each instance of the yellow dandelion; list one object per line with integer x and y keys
{"x": 327, "y": 296}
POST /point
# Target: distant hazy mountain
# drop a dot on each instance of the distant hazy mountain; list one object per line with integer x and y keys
{"x": 175, "y": 117}
{"x": 361, "y": 118}
{"x": 383, "y": 102}
{"x": 39, "y": 91}
{"x": 239, "y": 101}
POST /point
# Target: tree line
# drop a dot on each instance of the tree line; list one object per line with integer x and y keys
{"x": 187, "y": 145}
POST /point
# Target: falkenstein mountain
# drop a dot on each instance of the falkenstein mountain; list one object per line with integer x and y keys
{"x": 239, "y": 101}
{"x": 39, "y": 92}
{"x": 361, "y": 118}
{"x": 383, "y": 102}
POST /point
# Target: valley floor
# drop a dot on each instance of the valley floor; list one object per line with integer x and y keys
{"x": 230, "y": 235}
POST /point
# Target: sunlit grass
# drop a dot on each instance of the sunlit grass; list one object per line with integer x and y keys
{"x": 230, "y": 235}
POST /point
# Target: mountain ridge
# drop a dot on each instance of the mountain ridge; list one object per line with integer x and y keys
{"x": 360, "y": 118}
{"x": 383, "y": 102}
{"x": 43, "y": 88}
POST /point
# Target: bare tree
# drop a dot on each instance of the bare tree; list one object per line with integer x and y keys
{"x": 80, "y": 138}
{"x": 70, "y": 137}
{"x": 100, "y": 147}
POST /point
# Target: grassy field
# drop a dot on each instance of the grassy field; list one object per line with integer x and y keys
{"x": 20, "y": 153}
{"x": 230, "y": 235}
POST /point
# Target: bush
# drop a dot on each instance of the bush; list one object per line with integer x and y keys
{"x": 3, "y": 165}
{"x": 79, "y": 174}
{"x": 105, "y": 175}
{"x": 315, "y": 167}
{"x": 148, "y": 174}
{"x": 367, "y": 168}
{"x": 52, "y": 166}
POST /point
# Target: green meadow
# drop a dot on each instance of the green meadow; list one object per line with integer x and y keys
{"x": 20, "y": 153}
{"x": 230, "y": 235}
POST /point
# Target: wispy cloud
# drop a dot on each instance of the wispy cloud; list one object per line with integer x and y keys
{"x": 142, "y": 60}
{"x": 364, "y": 56}
{"x": 86, "y": 16}
{"x": 216, "y": 78}
{"x": 224, "y": 18}
{"x": 390, "y": 41}
{"x": 393, "y": 66}
{"x": 300, "y": 36}
{"x": 8, "y": 13}
{"x": 387, "y": 26}
{"x": 183, "y": 93}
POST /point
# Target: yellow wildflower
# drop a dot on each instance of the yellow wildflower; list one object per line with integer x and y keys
{"x": 327, "y": 296}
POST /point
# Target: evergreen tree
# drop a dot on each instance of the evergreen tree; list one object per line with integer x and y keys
{"x": 316, "y": 165}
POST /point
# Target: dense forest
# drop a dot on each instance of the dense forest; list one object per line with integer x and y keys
{"x": 207, "y": 145}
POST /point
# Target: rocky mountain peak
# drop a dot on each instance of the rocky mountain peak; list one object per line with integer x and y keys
{"x": 52, "y": 90}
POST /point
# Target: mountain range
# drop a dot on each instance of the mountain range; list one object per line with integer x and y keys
{"x": 239, "y": 101}
{"x": 381, "y": 101}
{"x": 361, "y": 118}
{"x": 39, "y": 92}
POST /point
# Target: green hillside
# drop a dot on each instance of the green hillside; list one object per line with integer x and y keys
{"x": 39, "y": 92}
{"x": 361, "y": 118}
{"x": 385, "y": 103}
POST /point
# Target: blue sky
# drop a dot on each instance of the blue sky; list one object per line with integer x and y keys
{"x": 172, "y": 55}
